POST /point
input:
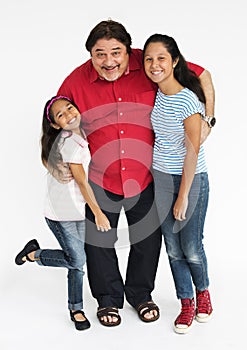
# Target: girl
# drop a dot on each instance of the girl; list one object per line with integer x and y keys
{"x": 180, "y": 174}
{"x": 63, "y": 140}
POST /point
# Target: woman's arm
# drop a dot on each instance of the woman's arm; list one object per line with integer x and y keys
{"x": 192, "y": 127}
{"x": 80, "y": 177}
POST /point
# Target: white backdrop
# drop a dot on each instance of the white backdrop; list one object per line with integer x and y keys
{"x": 41, "y": 42}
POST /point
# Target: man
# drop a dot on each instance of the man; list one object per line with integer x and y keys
{"x": 115, "y": 98}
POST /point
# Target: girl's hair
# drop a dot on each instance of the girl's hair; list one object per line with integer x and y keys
{"x": 182, "y": 73}
{"x": 51, "y": 137}
{"x": 109, "y": 30}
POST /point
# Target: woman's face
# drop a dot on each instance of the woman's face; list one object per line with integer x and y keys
{"x": 158, "y": 63}
{"x": 66, "y": 115}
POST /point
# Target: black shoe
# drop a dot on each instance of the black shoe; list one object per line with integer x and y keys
{"x": 79, "y": 325}
{"x": 30, "y": 247}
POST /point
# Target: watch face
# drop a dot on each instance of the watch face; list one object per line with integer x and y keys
{"x": 212, "y": 122}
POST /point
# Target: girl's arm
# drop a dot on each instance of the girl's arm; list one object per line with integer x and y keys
{"x": 80, "y": 177}
{"x": 192, "y": 127}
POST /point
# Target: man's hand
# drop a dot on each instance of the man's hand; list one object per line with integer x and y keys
{"x": 63, "y": 175}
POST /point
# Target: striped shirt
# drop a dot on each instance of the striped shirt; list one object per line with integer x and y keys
{"x": 167, "y": 118}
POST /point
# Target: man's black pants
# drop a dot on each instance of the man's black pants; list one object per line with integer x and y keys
{"x": 105, "y": 280}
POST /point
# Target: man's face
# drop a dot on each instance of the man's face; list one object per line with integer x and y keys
{"x": 110, "y": 58}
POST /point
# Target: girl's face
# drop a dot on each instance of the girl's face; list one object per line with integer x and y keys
{"x": 158, "y": 63}
{"x": 66, "y": 115}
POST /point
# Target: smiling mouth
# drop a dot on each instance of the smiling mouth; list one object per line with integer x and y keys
{"x": 72, "y": 120}
{"x": 110, "y": 69}
{"x": 156, "y": 72}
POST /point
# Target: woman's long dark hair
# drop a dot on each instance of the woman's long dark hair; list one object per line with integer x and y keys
{"x": 182, "y": 73}
{"x": 51, "y": 138}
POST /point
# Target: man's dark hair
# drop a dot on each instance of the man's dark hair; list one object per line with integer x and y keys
{"x": 109, "y": 30}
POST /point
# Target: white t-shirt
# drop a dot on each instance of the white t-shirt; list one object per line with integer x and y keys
{"x": 64, "y": 202}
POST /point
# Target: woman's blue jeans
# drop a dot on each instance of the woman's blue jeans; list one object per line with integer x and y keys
{"x": 71, "y": 237}
{"x": 184, "y": 239}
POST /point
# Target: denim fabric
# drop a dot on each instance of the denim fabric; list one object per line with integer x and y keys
{"x": 71, "y": 237}
{"x": 184, "y": 239}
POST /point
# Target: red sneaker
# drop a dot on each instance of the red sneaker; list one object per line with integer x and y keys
{"x": 203, "y": 306}
{"x": 184, "y": 320}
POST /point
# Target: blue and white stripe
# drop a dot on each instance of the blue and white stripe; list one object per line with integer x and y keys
{"x": 167, "y": 118}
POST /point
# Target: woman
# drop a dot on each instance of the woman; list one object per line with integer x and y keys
{"x": 180, "y": 174}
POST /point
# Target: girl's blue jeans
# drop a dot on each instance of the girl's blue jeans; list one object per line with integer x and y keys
{"x": 71, "y": 236}
{"x": 184, "y": 239}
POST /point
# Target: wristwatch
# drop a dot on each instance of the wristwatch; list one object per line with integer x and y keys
{"x": 210, "y": 119}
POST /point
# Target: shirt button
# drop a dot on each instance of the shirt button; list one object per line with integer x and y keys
{"x": 122, "y": 151}
{"x": 123, "y": 168}
{"x": 121, "y": 113}
{"x": 121, "y": 132}
{"x": 120, "y": 99}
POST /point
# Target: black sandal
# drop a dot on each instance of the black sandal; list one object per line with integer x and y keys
{"x": 108, "y": 311}
{"x": 146, "y": 307}
{"x": 79, "y": 325}
{"x": 30, "y": 247}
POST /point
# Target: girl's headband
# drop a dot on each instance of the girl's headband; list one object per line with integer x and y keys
{"x": 51, "y": 103}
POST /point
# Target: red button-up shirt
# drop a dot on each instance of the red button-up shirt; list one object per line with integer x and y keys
{"x": 116, "y": 119}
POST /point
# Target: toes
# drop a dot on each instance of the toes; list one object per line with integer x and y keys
{"x": 151, "y": 314}
{"x": 148, "y": 315}
{"x": 109, "y": 319}
{"x": 148, "y": 312}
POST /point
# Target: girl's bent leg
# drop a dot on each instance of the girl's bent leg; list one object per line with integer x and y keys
{"x": 70, "y": 235}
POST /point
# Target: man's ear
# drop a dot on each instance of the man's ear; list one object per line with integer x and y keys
{"x": 55, "y": 126}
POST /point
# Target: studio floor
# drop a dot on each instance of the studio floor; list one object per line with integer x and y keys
{"x": 34, "y": 315}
